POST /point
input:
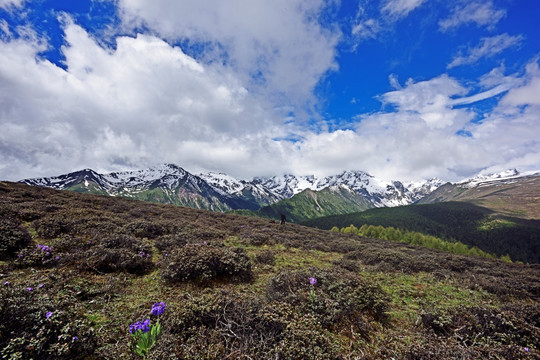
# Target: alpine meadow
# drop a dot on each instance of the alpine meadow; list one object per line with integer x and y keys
{"x": 269, "y": 180}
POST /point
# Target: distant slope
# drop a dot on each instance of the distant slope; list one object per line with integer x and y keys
{"x": 311, "y": 204}
{"x": 465, "y": 222}
{"x": 510, "y": 196}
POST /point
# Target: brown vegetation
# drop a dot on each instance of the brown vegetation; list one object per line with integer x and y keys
{"x": 239, "y": 287}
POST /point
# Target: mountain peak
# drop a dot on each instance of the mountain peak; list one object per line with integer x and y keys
{"x": 490, "y": 177}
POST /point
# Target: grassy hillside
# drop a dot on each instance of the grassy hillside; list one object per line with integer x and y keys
{"x": 310, "y": 204}
{"x": 461, "y": 221}
{"x": 77, "y": 270}
{"x": 514, "y": 197}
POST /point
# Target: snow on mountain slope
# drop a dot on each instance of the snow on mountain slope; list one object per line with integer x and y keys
{"x": 239, "y": 193}
{"x": 223, "y": 182}
{"x": 505, "y": 176}
{"x": 379, "y": 192}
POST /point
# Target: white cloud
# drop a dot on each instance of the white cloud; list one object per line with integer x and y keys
{"x": 275, "y": 47}
{"x": 529, "y": 93}
{"x": 7, "y": 4}
{"x": 400, "y": 8}
{"x": 138, "y": 105}
{"x": 481, "y": 13}
{"x": 420, "y": 138}
{"x": 487, "y": 47}
{"x": 430, "y": 101}
{"x": 366, "y": 29}
{"x": 147, "y": 102}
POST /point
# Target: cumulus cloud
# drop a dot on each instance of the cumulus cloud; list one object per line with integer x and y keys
{"x": 138, "y": 105}
{"x": 481, "y": 13}
{"x": 147, "y": 101}
{"x": 276, "y": 47}
{"x": 528, "y": 93}
{"x": 487, "y": 47}
{"x": 421, "y": 136}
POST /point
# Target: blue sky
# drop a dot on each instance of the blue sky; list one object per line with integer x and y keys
{"x": 402, "y": 89}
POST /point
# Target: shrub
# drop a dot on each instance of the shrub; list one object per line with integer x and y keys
{"x": 337, "y": 298}
{"x": 478, "y": 325}
{"x": 143, "y": 229}
{"x": 39, "y": 256}
{"x": 203, "y": 262}
{"x": 218, "y": 324}
{"x": 266, "y": 257}
{"x": 13, "y": 237}
{"x": 52, "y": 226}
{"x": 105, "y": 260}
{"x": 120, "y": 241}
{"x": 305, "y": 339}
{"x": 168, "y": 242}
{"x": 34, "y": 327}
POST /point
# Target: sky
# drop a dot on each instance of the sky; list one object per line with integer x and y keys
{"x": 402, "y": 89}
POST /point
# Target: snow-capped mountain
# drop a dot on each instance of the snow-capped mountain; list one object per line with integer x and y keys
{"x": 170, "y": 183}
{"x": 230, "y": 186}
{"x": 503, "y": 176}
{"x": 482, "y": 187}
{"x": 379, "y": 192}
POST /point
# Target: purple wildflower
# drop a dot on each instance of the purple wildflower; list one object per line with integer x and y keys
{"x": 20, "y": 255}
{"x": 57, "y": 258}
{"x": 312, "y": 281}
{"x": 526, "y": 349}
{"x": 48, "y": 314}
{"x": 143, "y": 326}
{"x": 205, "y": 243}
{"x": 29, "y": 288}
{"x": 41, "y": 285}
{"x": 6, "y": 283}
{"x": 158, "y": 308}
{"x": 75, "y": 338}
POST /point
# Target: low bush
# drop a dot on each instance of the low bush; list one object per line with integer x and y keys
{"x": 204, "y": 262}
{"x": 337, "y": 299}
{"x": 267, "y": 257}
{"x": 220, "y": 324}
{"x": 35, "y": 327}
{"x": 479, "y": 325}
{"x": 166, "y": 243}
{"x": 52, "y": 226}
{"x": 101, "y": 259}
{"x": 38, "y": 256}
{"x": 13, "y": 238}
{"x": 143, "y": 229}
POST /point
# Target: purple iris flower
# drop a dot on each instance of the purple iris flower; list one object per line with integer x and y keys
{"x": 143, "y": 326}
{"x": 312, "y": 281}
{"x": 158, "y": 308}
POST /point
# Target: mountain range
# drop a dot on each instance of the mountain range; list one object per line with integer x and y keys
{"x": 169, "y": 183}
{"x": 310, "y": 195}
